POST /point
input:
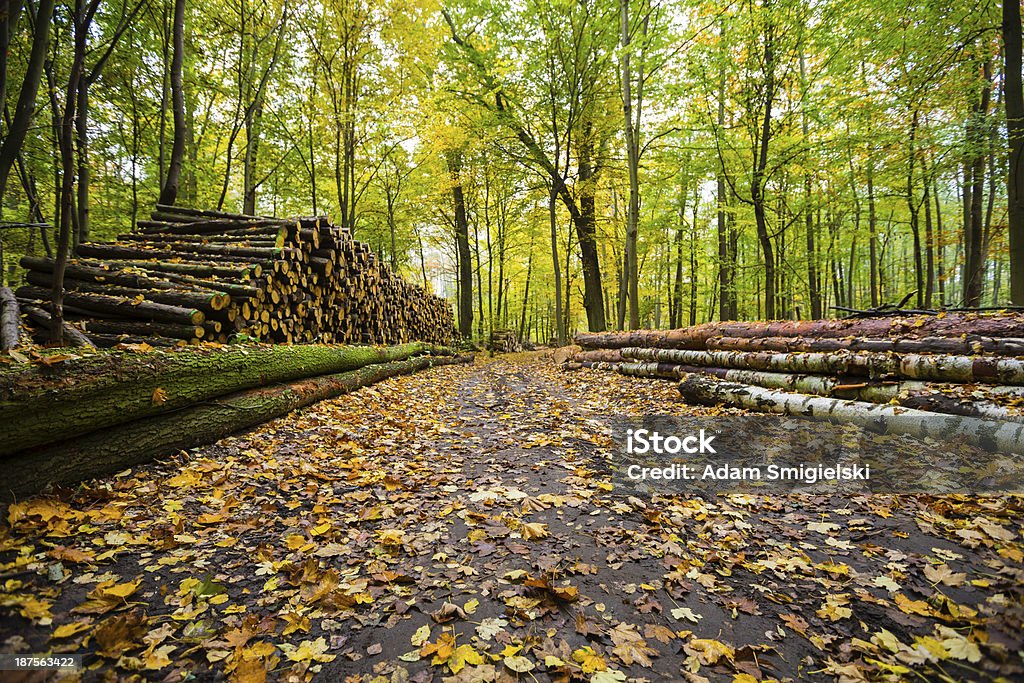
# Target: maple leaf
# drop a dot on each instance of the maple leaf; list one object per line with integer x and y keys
{"x": 708, "y": 651}
{"x": 681, "y": 613}
{"x": 944, "y": 575}
{"x": 630, "y": 647}
{"x": 308, "y": 651}
{"x": 535, "y": 530}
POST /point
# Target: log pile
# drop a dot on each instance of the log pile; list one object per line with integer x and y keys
{"x": 955, "y": 364}
{"x": 189, "y": 275}
{"x": 504, "y": 341}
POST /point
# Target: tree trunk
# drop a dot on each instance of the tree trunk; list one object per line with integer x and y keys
{"x": 974, "y": 264}
{"x": 20, "y": 123}
{"x": 586, "y": 234}
{"x": 1014, "y": 93}
{"x": 169, "y": 193}
{"x": 185, "y": 378}
{"x": 105, "y": 451}
{"x": 631, "y": 130}
{"x": 10, "y": 323}
{"x": 462, "y": 245}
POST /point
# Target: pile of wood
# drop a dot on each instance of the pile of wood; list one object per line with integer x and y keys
{"x": 877, "y": 369}
{"x": 189, "y": 275}
{"x": 504, "y": 341}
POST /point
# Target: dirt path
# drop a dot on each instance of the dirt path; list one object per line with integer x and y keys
{"x": 462, "y": 523}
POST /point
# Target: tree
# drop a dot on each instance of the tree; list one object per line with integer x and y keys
{"x": 169, "y": 193}
{"x": 1015, "y": 133}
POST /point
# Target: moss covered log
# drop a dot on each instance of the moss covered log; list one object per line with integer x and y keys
{"x": 47, "y": 404}
{"x": 107, "y": 451}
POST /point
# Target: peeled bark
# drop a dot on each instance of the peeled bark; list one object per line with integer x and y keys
{"x": 50, "y": 410}
{"x": 10, "y": 336}
{"x": 107, "y": 451}
{"x": 940, "y": 368}
{"x": 1005, "y": 436}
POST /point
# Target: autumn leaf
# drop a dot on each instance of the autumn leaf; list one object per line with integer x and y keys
{"x": 533, "y": 531}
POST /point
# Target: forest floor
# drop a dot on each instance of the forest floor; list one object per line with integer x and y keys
{"x": 461, "y": 524}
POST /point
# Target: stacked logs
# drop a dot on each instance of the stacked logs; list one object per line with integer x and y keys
{"x": 504, "y": 341}
{"x": 190, "y": 275}
{"x": 956, "y": 364}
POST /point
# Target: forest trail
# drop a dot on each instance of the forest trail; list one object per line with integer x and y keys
{"x": 462, "y": 522}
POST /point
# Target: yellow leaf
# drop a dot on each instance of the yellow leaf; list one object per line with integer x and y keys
{"x": 159, "y": 396}
{"x": 68, "y": 630}
{"x": 311, "y": 651}
{"x": 535, "y": 530}
{"x": 421, "y": 636}
{"x": 589, "y": 661}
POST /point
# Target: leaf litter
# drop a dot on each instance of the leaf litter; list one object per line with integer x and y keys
{"x": 461, "y": 525}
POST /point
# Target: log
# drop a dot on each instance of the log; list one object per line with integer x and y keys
{"x": 106, "y": 341}
{"x": 40, "y": 268}
{"x": 947, "y": 325}
{"x": 204, "y": 300}
{"x": 10, "y": 320}
{"x": 207, "y": 252}
{"x": 935, "y": 398}
{"x": 38, "y": 406}
{"x": 72, "y": 335}
{"x": 969, "y": 345}
{"x": 146, "y": 310}
{"x": 1004, "y": 436}
{"x": 106, "y": 452}
{"x": 938, "y": 368}
{"x": 145, "y": 329}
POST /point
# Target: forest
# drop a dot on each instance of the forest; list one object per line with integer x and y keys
{"x": 550, "y": 166}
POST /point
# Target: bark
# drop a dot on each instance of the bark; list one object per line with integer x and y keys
{"x": 1006, "y": 436}
{"x": 939, "y": 368}
{"x": 169, "y": 193}
{"x": 586, "y": 234}
{"x": 1014, "y": 93}
{"x": 556, "y": 267}
{"x": 915, "y": 327}
{"x": 10, "y": 328}
{"x": 105, "y": 452}
{"x": 103, "y": 399}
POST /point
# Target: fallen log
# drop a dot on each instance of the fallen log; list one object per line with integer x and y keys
{"x": 39, "y": 406}
{"x": 206, "y": 300}
{"x": 10, "y": 328}
{"x": 949, "y": 325}
{"x": 144, "y": 310}
{"x": 936, "y": 398}
{"x": 72, "y": 335}
{"x": 1004, "y": 436}
{"x": 145, "y": 329}
{"x": 938, "y": 368}
{"x": 969, "y": 345}
{"x": 109, "y": 451}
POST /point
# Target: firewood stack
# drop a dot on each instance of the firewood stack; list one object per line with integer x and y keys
{"x": 189, "y": 275}
{"x": 965, "y": 364}
{"x": 504, "y": 341}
